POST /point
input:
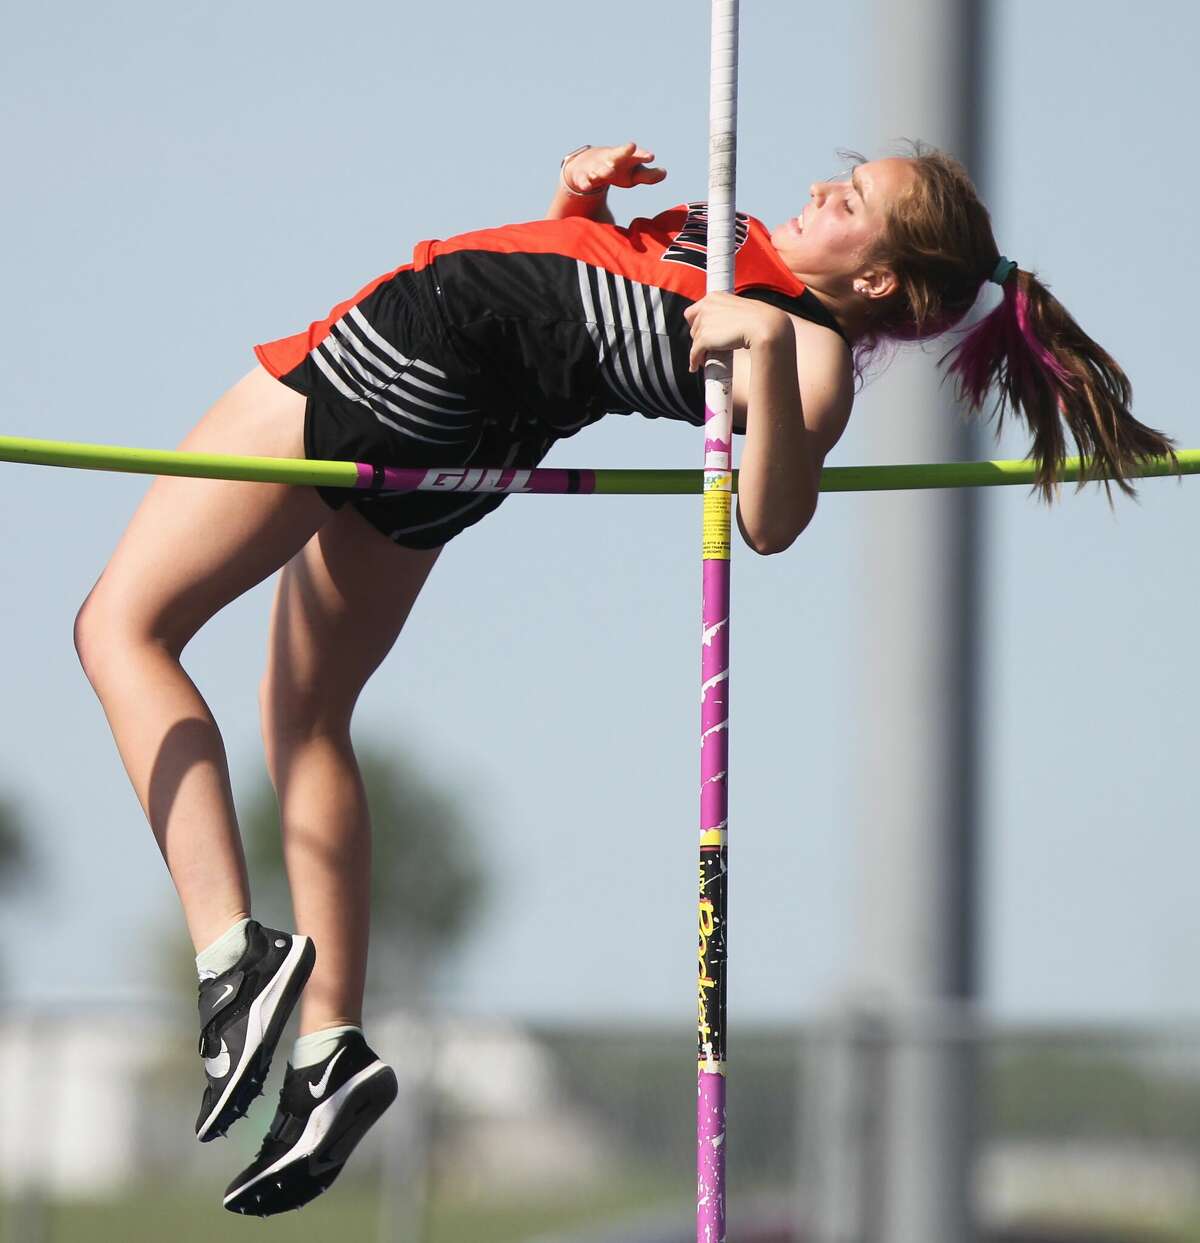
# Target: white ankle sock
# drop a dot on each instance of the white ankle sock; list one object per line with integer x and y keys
{"x": 317, "y": 1046}
{"x": 223, "y": 952}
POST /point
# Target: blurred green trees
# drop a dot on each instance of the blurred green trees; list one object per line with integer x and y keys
{"x": 15, "y": 858}
{"x": 17, "y": 861}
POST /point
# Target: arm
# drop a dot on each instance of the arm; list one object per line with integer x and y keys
{"x": 793, "y": 382}
{"x": 798, "y": 399}
{"x": 591, "y": 171}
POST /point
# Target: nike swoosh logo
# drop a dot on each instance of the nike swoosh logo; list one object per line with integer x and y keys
{"x": 218, "y": 1067}
{"x": 210, "y": 1007}
{"x": 318, "y": 1089}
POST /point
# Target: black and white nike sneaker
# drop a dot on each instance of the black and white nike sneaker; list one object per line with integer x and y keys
{"x": 242, "y": 1015}
{"x": 324, "y": 1110}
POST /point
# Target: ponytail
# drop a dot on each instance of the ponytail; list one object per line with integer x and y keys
{"x": 1046, "y": 368}
{"x": 938, "y": 241}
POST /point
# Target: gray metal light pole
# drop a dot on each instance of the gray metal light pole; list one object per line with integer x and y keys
{"x": 914, "y": 964}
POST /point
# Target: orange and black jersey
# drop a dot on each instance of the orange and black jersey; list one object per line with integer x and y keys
{"x": 581, "y": 318}
{"x": 547, "y": 325}
{"x": 489, "y": 347}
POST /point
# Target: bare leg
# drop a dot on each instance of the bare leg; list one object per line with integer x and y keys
{"x": 193, "y": 546}
{"x": 339, "y": 606}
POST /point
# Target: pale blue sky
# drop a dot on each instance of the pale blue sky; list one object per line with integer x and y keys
{"x": 181, "y": 183}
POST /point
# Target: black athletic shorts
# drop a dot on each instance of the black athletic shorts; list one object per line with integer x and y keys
{"x": 340, "y": 432}
{"x": 385, "y": 386}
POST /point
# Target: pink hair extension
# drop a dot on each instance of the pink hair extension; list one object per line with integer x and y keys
{"x": 1035, "y": 347}
{"x": 1004, "y": 340}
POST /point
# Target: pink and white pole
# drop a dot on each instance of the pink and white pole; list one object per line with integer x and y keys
{"x": 714, "y": 660}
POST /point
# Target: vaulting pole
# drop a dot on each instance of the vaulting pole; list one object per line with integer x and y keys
{"x": 714, "y": 657}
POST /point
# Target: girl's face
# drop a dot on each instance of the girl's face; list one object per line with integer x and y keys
{"x": 832, "y": 240}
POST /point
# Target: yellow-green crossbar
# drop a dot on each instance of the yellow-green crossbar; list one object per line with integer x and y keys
{"x": 627, "y": 482}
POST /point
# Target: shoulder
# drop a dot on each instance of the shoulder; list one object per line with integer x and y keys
{"x": 822, "y": 354}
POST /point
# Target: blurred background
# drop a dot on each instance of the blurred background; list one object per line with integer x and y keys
{"x": 962, "y": 990}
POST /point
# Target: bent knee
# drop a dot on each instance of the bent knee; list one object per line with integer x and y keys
{"x": 81, "y": 633}
{"x": 109, "y": 629}
{"x": 93, "y": 634}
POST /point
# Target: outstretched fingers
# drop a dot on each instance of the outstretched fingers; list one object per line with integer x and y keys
{"x": 622, "y": 166}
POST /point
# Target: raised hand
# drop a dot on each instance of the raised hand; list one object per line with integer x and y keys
{"x": 594, "y": 168}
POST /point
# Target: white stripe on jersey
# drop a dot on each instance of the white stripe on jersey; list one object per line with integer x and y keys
{"x": 388, "y": 348}
{"x": 663, "y": 341}
{"x": 628, "y": 341}
{"x": 370, "y": 388}
{"x": 651, "y": 348}
{"x": 390, "y": 382}
{"x": 619, "y": 320}
{"x": 614, "y": 331}
{"x": 593, "y": 320}
{"x": 346, "y": 335}
{"x": 336, "y": 379}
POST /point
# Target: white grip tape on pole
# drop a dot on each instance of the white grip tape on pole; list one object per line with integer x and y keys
{"x": 722, "y": 145}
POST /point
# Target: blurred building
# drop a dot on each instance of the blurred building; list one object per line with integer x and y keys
{"x": 1085, "y": 1133}
{"x": 73, "y": 1122}
{"x": 92, "y": 1102}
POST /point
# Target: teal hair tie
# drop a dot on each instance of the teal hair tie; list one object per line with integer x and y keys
{"x": 1004, "y": 269}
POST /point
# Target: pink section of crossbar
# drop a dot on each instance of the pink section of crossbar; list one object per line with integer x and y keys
{"x": 543, "y": 479}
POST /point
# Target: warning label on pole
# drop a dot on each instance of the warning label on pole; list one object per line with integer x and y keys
{"x": 715, "y": 540}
